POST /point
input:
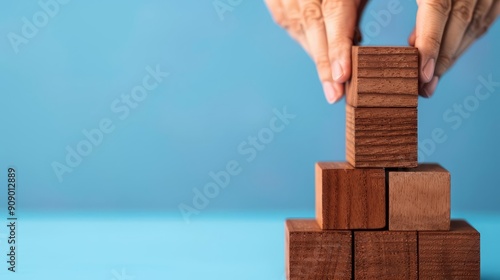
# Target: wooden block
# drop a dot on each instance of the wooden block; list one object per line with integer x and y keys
{"x": 449, "y": 255}
{"x": 381, "y": 137}
{"x": 348, "y": 198}
{"x": 385, "y": 255}
{"x": 383, "y": 77}
{"x": 419, "y": 198}
{"x": 312, "y": 253}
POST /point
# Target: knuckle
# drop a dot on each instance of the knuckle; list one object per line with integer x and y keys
{"x": 480, "y": 21}
{"x": 488, "y": 20}
{"x": 463, "y": 10}
{"x": 440, "y": 70}
{"x": 280, "y": 20}
{"x": 276, "y": 11}
{"x": 443, "y": 64}
{"x": 476, "y": 23}
{"x": 331, "y": 8}
{"x": 485, "y": 25}
{"x": 431, "y": 42}
{"x": 339, "y": 46}
{"x": 442, "y": 6}
{"x": 312, "y": 14}
{"x": 482, "y": 30}
{"x": 293, "y": 25}
{"x": 445, "y": 61}
{"x": 323, "y": 64}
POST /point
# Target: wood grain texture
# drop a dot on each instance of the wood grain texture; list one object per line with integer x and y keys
{"x": 312, "y": 253}
{"x": 385, "y": 255}
{"x": 450, "y": 255}
{"x": 419, "y": 198}
{"x": 381, "y": 137}
{"x": 348, "y": 198}
{"x": 383, "y": 77}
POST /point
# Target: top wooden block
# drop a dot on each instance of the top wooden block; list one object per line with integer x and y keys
{"x": 383, "y": 77}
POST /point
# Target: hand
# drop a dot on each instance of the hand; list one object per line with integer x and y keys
{"x": 326, "y": 29}
{"x": 444, "y": 30}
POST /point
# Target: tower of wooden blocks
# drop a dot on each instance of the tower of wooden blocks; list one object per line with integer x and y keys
{"x": 381, "y": 215}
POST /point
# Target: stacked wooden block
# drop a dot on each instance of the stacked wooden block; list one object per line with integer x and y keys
{"x": 381, "y": 215}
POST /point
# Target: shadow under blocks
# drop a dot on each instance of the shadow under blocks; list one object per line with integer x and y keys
{"x": 381, "y": 214}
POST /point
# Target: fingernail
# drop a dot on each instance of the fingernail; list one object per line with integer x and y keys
{"x": 337, "y": 71}
{"x": 329, "y": 92}
{"x": 428, "y": 70}
{"x": 339, "y": 91}
{"x": 430, "y": 88}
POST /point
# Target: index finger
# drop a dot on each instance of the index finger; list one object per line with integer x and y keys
{"x": 340, "y": 20}
{"x": 432, "y": 16}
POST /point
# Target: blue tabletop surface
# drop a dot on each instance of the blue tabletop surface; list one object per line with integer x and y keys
{"x": 163, "y": 246}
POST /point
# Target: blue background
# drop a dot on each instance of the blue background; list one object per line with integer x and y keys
{"x": 226, "y": 76}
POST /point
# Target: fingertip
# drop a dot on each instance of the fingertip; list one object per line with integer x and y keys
{"x": 333, "y": 91}
{"x": 412, "y": 38}
{"x": 337, "y": 71}
{"x": 339, "y": 91}
{"x": 340, "y": 53}
{"x": 341, "y": 71}
{"x": 429, "y": 89}
{"x": 427, "y": 69}
{"x": 329, "y": 92}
